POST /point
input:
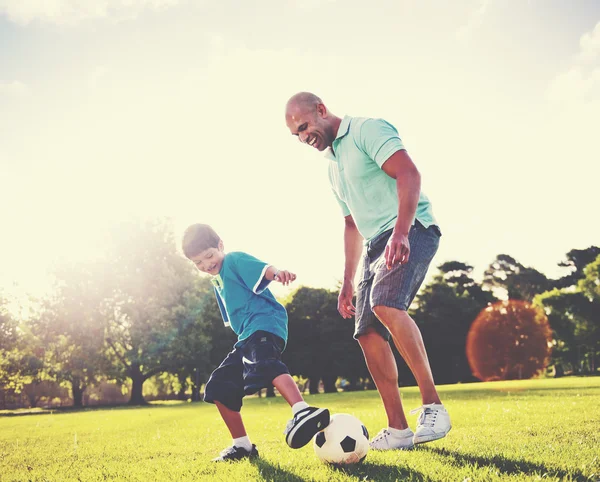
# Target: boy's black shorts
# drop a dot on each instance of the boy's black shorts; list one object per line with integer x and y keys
{"x": 252, "y": 365}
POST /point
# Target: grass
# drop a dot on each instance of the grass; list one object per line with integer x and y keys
{"x": 521, "y": 430}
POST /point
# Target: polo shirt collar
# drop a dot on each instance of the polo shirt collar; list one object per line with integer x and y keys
{"x": 342, "y": 131}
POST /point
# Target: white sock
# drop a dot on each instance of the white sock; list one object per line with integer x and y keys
{"x": 243, "y": 442}
{"x": 396, "y": 432}
{"x": 299, "y": 406}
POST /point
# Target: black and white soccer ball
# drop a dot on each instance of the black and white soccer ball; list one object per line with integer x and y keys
{"x": 344, "y": 441}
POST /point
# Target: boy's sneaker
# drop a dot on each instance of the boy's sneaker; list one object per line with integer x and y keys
{"x": 433, "y": 423}
{"x": 236, "y": 453}
{"x": 304, "y": 426}
{"x": 385, "y": 440}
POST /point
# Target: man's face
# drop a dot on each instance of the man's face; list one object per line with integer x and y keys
{"x": 310, "y": 124}
{"x": 210, "y": 260}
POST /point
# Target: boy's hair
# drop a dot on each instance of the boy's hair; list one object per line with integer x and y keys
{"x": 198, "y": 238}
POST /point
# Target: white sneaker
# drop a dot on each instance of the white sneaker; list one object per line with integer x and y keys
{"x": 433, "y": 423}
{"x": 385, "y": 440}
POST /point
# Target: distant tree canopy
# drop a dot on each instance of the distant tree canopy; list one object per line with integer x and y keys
{"x": 321, "y": 344}
{"x": 141, "y": 311}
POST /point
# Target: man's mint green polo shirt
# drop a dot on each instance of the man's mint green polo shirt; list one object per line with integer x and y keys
{"x": 359, "y": 184}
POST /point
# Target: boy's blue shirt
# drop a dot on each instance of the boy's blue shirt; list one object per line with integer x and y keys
{"x": 245, "y": 302}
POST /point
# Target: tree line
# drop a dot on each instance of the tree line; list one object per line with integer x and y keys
{"x": 139, "y": 310}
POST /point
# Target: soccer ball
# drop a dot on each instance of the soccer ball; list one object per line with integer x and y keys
{"x": 344, "y": 441}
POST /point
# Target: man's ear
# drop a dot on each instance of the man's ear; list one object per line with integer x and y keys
{"x": 221, "y": 245}
{"x": 322, "y": 110}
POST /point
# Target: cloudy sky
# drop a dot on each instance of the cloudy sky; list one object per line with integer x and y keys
{"x": 118, "y": 108}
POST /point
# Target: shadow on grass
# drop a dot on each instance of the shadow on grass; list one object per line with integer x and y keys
{"x": 364, "y": 471}
{"x": 381, "y": 472}
{"x": 92, "y": 408}
{"x": 508, "y": 466}
{"x": 268, "y": 471}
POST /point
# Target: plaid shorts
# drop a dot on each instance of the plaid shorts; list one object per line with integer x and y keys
{"x": 396, "y": 287}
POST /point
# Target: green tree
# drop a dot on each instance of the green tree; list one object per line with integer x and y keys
{"x": 574, "y": 315}
{"x": 20, "y": 353}
{"x": 517, "y": 281}
{"x": 321, "y": 344}
{"x": 151, "y": 283}
{"x": 577, "y": 260}
{"x": 194, "y": 319}
{"x": 444, "y": 311}
{"x": 71, "y": 326}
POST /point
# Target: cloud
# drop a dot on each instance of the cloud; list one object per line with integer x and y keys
{"x": 13, "y": 89}
{"x": 590, "y": 45}
{"x": 474, "y": 21}
{"x": 579, "y": 86}
{"x": 71, "y": 12}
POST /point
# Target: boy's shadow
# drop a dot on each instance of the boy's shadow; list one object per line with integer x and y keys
{"x": 507, "y": 466}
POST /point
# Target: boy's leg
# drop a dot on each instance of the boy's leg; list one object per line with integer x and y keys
{"x": 233, "y": 420}
{"x": 286, "y": 385}
{"x": 307, "y": 421}
{"x": 225, "y": 389}
{"x": 262, "y": 367}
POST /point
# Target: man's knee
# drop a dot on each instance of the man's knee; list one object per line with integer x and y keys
{"x": 370, "y": 338}
{"x": 387, "y": 314}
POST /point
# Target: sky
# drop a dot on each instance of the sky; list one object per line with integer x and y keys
{"x": 115, "y": 109}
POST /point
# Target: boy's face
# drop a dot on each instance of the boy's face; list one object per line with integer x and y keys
{"x": 210, "y": 260}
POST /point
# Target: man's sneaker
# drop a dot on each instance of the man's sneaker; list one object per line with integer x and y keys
{"x": 385, "y": 440}
{"x": 433, "y": 423}
{"x": 304, "y": 426}
{"x": 236, "y": 453}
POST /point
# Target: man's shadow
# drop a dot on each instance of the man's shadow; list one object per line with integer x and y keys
{"x": 506, "y": 465}
{"x": 364, "y": 471}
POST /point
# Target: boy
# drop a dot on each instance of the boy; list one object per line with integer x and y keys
{"x": 251, "y": 310}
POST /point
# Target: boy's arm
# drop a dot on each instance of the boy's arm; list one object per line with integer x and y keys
{"x": 283, "y": 276}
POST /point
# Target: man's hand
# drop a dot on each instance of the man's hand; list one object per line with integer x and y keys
{"x": 284, "y": 277}
{"x": 397, "y": 249}
{"x": 345, "y": 306}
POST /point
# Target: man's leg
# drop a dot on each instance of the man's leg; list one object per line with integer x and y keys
{"x": 407, "y": 338}
{"x": 434, "y": 421}
{"x": 382, "y": 366}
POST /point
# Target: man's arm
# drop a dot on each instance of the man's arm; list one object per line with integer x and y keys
{"x": 352, "y": 250}
{"x": 408, "y": 184}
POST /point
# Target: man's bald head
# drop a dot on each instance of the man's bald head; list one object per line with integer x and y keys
{"x": 303, "y": 101}
{"x": 307, "y": 117}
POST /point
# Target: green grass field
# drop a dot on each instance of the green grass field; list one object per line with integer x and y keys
{"x": 521, "y": 430}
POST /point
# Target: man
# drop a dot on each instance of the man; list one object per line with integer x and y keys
{"x": 378, "y": 188}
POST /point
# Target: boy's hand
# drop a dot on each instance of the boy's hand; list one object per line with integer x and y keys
{"x": 284, "y": 277}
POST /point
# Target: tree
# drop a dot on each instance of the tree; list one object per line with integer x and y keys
{"x": 577, "y": 260}
{"x": 509, "y": 340}
{"x": 71, "y": 326}
{"x": 20, "y": 353}
{"x": 321, "y": 344}
{"x": 574, "y": 315}
{"x": 518, "y": 281}
{"x": 150, "y": 292}
{"x": 194, "y": 319}
{"x": 444, "y": 311}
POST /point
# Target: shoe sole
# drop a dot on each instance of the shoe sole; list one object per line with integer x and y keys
{"x": 303, "y": 433}
{"x": 430, "y": 438}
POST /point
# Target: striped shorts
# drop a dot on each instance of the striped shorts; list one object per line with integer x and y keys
{"x": 396, "y": 287}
